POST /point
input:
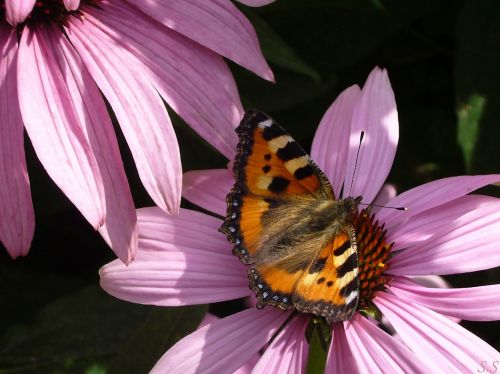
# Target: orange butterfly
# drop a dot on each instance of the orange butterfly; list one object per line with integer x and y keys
{"x": 284, "y": 220}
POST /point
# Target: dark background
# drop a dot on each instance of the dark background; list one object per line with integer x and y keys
{"x": 443, "y": 59}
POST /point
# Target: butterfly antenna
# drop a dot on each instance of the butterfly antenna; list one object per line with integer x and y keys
{"x": 356, "y": 162}
{"x": 389, "y": 207}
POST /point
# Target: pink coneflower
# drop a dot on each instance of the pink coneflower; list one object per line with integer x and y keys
{"x": 184, "y": 260}
{"x": 58, "y": 57}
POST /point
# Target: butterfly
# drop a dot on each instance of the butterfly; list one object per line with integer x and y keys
{"x": 284, "y": 220}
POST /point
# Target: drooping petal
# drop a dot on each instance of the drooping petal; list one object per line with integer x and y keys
{"x": 16, "y": 11}
{"x": 432, "y": 194}
{"x": 288, "y": 352}
{"x": 72, "y": 4}
{"x": 375, "y": 113}
{"x": 208, "y": 189}
{"x": 431, "y": 222}
{"x": 256, "y": 2}
{"x": 468, "y": 243}
{"x": 138, "y": 108}
{"x": 216, "y": 24}
{"x": 331, "y": 142}
{"x": 193, "y": 80}
{"x": 52, "y": 124}
{"x": 17, "y": 219}
{"x": 340, "y": 359}
{"x": 433, "y": 281}
{"x": 446, "y": 346}
{"x": 222, "y": 346}
{"x": 473, "y": 304}
{"x": 375, "y": 351}
{"x": 120, "y": 229}
{"x": 386, "y": 194}
{"x": 181, "y": 260}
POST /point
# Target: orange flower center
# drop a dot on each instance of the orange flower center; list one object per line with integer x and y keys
{"x": 373, "y": 254}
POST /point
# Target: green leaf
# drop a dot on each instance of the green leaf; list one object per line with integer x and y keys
{"x": 277, "y": 51}
{"x": 96, "y": 369}
{"x": 75, "y": 334}
{"x": 477, "y": 82}
{"x": 469, "y": 117}
{"x": 163, "y": 328}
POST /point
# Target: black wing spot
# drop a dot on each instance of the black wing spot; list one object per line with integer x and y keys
{"x": 350, "y": 287}
{"x": 350, "y": 264}
{"x": 267, "y": 156}
{"x": 278, "y": 184}
{"x": 303, "y": 172}
{"x": 344, "y": 247}
{"x": 320, "y": 280}
{"x": 290, "y": 151}
{"x": 329, "y": 283}
{"x": 266, "y": 169}
{"x": 271, "y": 132}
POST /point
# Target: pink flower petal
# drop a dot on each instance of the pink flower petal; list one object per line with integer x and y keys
{"x": 215, "y": 24}
{"x": 52, "y": 123}
{"x": 17, "y": 219}
{"x": 473, "y": 304}
{"x": 432, "y": 194}
{"x": 433, "y": 281}
{"x": 288, "y": 352}
{"x": 209, "y": 318}
{"x": 120, "y": 229}
{"x": 208, "y": 189}
{"x": 222, "y": 346}
{"x": 468, "y": 243}
{"x": 375, "y": 113}
{"x": 249, "y": 365}
{"x": 431, "y": 222}
{"x": 256, "y": 2}
{"x": 446, "y": 346}
{"x": 331, "y": 142}
{"x": 139, "y": 109}
{"x": 181, "y": 260}
{"x": 16, "y": 11}
{"x": 386, "y": 194}
{"x": 193, "y": 80}
{"x": 340, "y": 358}
{"x": 72, "y": 4}
{"x": 375, "y": 351}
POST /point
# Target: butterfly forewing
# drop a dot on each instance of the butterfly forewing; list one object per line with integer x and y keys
{"x": 269, "y": 167}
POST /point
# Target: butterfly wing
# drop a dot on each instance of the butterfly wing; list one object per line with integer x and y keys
{"x": 329, "y": 287}
{"x": 276, "y": 184}
{"x": 269, "y": 168}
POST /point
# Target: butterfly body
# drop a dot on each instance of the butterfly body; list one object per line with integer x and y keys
{"x": 286, "y": 223}
{"x": 296, "y": 228}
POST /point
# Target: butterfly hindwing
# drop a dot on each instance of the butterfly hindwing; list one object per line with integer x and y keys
{"x": 269, "y": 167}
{"x": 329, "y": 286}
{"x": 326, "y": 285}
{"x": 273, "y": 285}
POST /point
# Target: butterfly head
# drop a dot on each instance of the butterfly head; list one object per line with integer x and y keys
{"x": 351, "y": 203}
